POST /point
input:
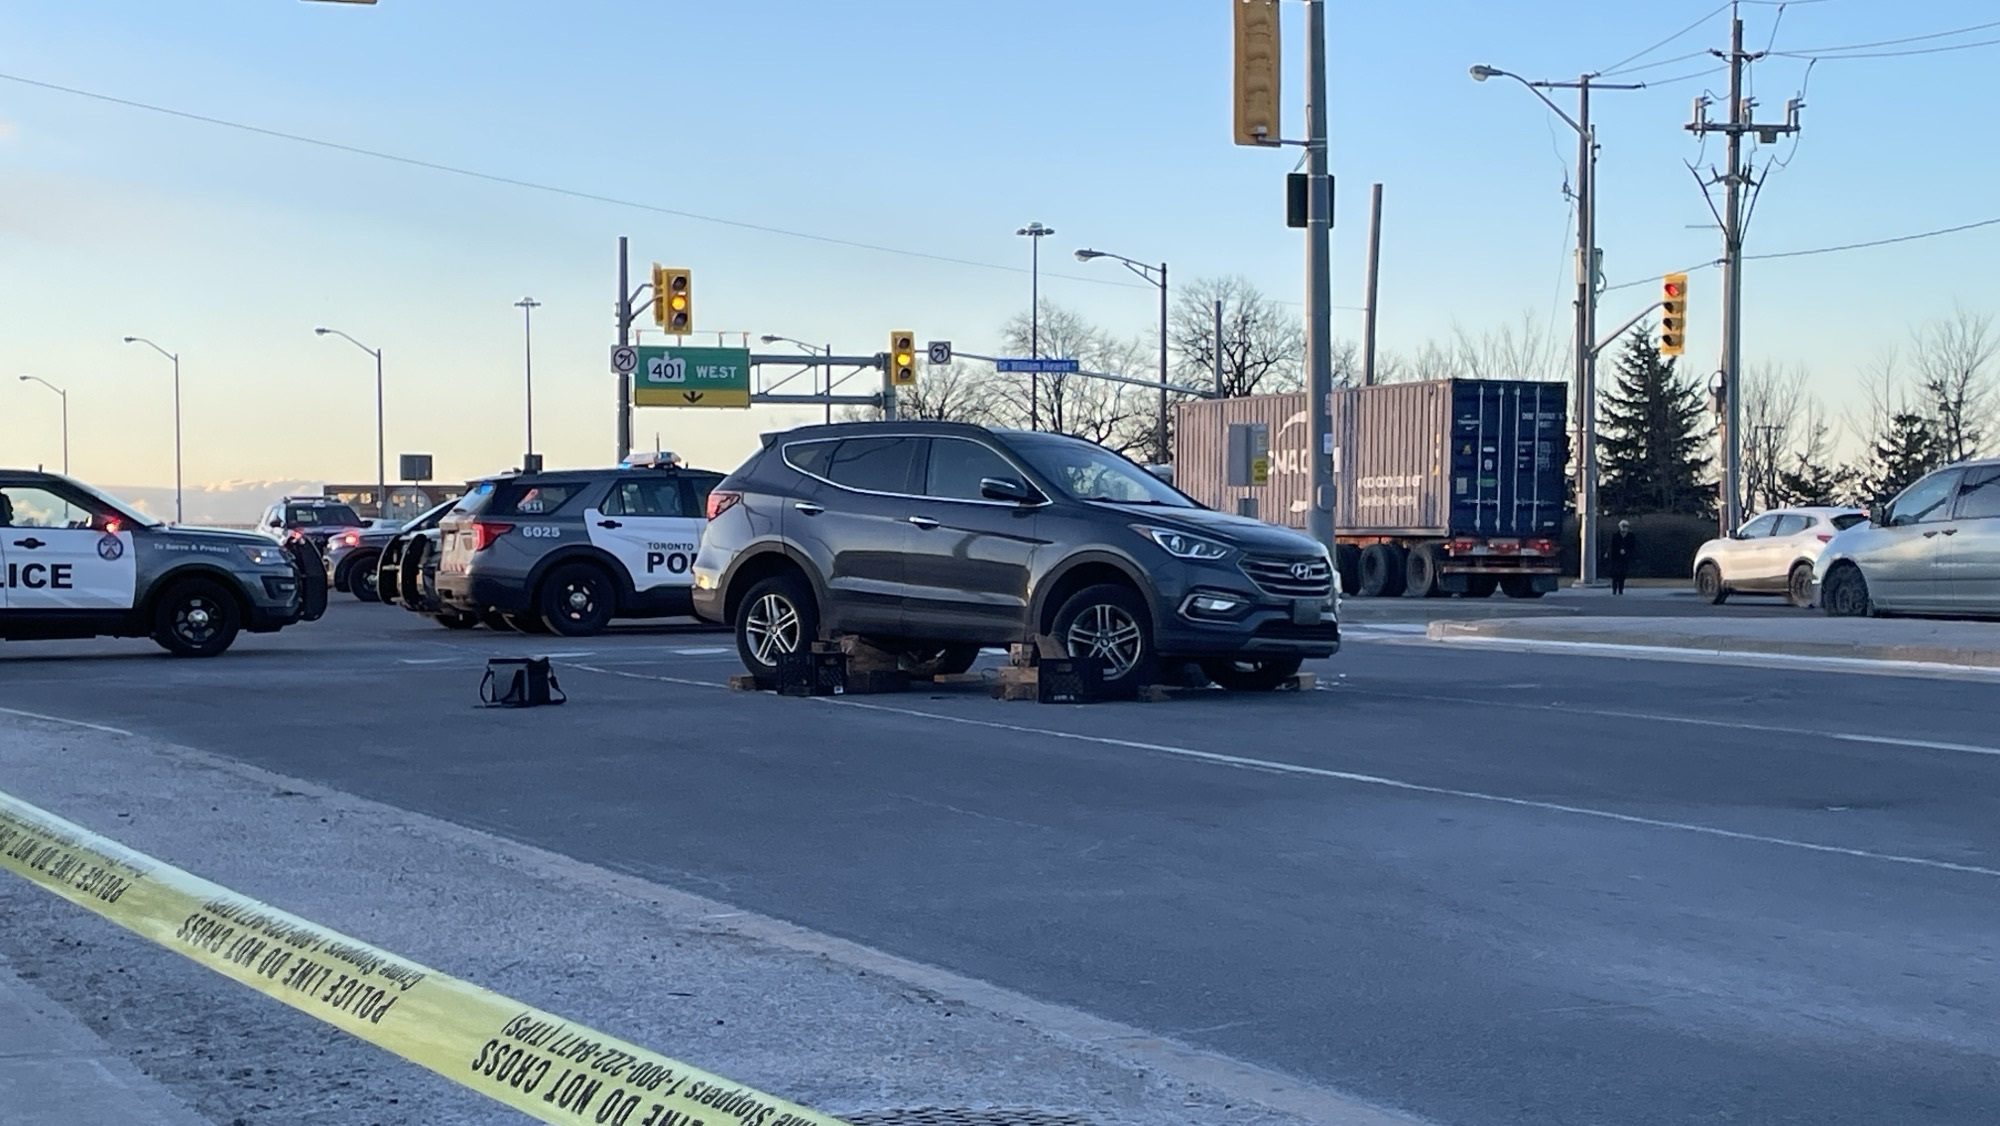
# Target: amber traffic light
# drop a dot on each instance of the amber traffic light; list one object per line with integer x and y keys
{"x": 673, "y": 300}
{"x": 903, "y": 358}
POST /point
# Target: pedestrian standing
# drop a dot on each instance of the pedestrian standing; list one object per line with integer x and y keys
{"x": 1618, "y": 555}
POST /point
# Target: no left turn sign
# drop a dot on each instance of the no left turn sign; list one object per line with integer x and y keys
{"x": 624, "y": 359}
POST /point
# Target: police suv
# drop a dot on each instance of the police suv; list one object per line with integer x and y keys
{"x": 569, "y": 550}
{"x": 75, "y": 563}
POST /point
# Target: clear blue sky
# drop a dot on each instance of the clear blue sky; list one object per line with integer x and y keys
{"x": 1107, "y": 119}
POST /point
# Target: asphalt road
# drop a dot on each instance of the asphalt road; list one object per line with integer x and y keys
{"x": 1481, "y": 887}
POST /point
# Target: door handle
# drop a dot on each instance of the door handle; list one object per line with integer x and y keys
{"x": 924, "y": 522}
{"x": 30, "y": 543}
{"x": 1951, "y": 531}
{"x": 808, "y": 507}
{"x": 609, "y": 524}
{"x": 1928, "y": 535}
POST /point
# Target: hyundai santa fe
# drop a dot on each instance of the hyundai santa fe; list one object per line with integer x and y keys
{"x": 934, "y": 539}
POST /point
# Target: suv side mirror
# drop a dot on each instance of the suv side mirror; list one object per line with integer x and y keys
{"x": 277, "y": 523}
{"x": 1005, "y": 488}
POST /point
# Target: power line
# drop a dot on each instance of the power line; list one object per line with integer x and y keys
{"x": 553, "y": 189}
{"x": 1890, "y": 54}
{"x": 1613, "y": 68}
{"x": 1895, "y": 42}
{"x": 1661, "y": 62}
{"x": 1941, "y": 231}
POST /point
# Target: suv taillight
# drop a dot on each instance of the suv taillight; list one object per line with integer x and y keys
{"x": 485, "y": 532}
{"x": 1824, "y": 538}
{"x": 721, "y": 501}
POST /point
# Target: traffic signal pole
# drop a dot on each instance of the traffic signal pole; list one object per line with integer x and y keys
{"x": 622, "y": 402}
{"x": 1319, "y": 281}
{"x": 1586, "y": 338}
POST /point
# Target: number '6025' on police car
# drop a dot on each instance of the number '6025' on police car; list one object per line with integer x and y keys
{"x": 568, "y": 551}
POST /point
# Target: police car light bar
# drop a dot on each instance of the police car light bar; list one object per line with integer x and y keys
{"x": 659, "y": 459}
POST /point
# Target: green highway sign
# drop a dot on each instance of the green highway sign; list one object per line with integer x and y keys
{"x": 691, "y": 377}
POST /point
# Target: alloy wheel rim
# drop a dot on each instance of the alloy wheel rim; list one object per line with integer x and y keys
{"x": 578, "y": 602}
{"x": 196, "y": 621}
{"x": 1109, "y": 633}
{"x": 772, "y": 627}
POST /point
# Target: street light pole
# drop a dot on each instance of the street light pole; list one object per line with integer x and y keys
{"x": 65, "y": 414}
{"x": 1035, "y": 233}
{"x": 528, "y": 305}
{"x": 179, "y": 514}
{"x": 1157, "y": 275}
{"x": 381, "y": 447}
{"x": 810, "y": 350}
{"x": 1587, "y": 269}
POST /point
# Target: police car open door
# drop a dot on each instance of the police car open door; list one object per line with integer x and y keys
{"x": 62, "y": 554}
{"x": 650, "y": 525}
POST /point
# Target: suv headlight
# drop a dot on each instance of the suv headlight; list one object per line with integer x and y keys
{"x": 1182, "y": 545}
{"x": 266, "y": 556}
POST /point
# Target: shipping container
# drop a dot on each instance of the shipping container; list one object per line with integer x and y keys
{"x": 1447, "y": 486}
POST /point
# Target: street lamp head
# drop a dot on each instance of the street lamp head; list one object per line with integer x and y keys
{"x": 769, "y": 338}
{"x": 1087, "y": 255}
{"x": 321, "y": 331}
{"x": 1482, "y": 73}
{"x": 131, "y": 340}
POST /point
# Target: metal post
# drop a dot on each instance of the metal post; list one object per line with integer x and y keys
{"x": 829, "y": 383}
{"x": 624, "y": 398}
{"x": 1586, "y": 338}
{"x": 1164, "y": 455}
{"x": 1319, "y": 280}
{"x": 1035, "y": 333}
{"x": 1218, "y": 348}
{"x": 1732, "y": 295}
{"x": 381, "y": 446}
{"x": 180, "y": 515}
{"x": 65, "y": 413}
{"x": 1374, "y": 273}
{"x": 528, "y": 305}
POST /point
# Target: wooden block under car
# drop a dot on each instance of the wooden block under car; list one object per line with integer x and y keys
{"x": 863, "y": 657}
{"x": 750, "y": 682}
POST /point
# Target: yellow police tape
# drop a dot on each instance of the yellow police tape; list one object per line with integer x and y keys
{"x": 548, "y": 1067}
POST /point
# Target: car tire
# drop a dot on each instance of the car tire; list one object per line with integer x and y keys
{"x": 1261, "y": 674}
{"x": 1111, "y": 622}
{"x": 531, "y": 624}
{"x": 1846, "y": 593}
{"x": 1347, "y": 563}
{"x": 1481, "y": 586}
{"x": 944, "y": 660}
{"x": 196, "y": 618}
{"x": 454, "y": 619}
{"x": 1423, "y": 573}
{"x": 1708, "y": 584}
{"x": 361, "y": 579}
{"x": 776, "y": 617}
{"x": 496, "y": 621}
{"x": 1799, "y": 585}
{"x": 577, "y": 600}
{"x": 1520, "y": 586}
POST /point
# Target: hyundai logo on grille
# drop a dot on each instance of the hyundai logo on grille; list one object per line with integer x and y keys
{"x": 1304, "y": 571}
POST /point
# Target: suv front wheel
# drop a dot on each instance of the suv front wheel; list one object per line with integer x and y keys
{"x": 197, "y": 618}
{"x": 1113, "y": 624}
{"x": 775, "y": 618}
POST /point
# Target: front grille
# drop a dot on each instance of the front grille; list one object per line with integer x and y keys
{"x": 1290, "y": 578}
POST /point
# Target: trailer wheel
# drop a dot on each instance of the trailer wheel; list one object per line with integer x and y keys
{"x": 1347, "y": 563}
{"x": 1425, "y": 570}
{"x": 1381, "y": 571}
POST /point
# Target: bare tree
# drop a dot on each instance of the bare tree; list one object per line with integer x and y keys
{"x": 943, "y": 393}
{"x": 1263, "y": 342}
{"x": 1523, "y": 351}
{"x": 1773, "y": 399}
{"x": 1111, "y": 414}
{"x": 1952, "y": 365}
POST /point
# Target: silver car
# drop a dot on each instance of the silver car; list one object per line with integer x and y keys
{"x": 1935, "y": 549}
{"x": 1772, "y": 554}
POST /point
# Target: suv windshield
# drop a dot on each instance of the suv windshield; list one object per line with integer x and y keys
{"x": 1087, "y": 471}
{"x": 322, "y": 515}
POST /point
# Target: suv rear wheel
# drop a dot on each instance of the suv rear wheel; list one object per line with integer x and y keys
{"x": 1261, "y": 674}
{"x": 775, "y": 618}
{"x": 361, "y": 578}
{"x": 196, "y": 618}
{"x": 1112, "y": 623}
{"x": 577, "y": 599}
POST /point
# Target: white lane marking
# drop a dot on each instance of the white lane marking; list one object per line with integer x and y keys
{"x": 71, "y": 722}
{"x": 430, "y": 660}
{"x": 706, "y": 651}
{"x": 1689, "y": 721}
{"x": 650, "y": 676}
{"x": 1865, "y": 666}
{"x": 1240, "y": 762}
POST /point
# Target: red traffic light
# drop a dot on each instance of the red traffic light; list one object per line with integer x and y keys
{"x": 1674, "y": 289}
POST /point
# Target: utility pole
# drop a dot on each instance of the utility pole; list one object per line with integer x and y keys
{"x": 1218, "y": 348}
{"x": 623, "y": 402}
{"x": 1733, "y": 221}
{"x": 1374, "y": 273}
{"x": 1319, "y": 281}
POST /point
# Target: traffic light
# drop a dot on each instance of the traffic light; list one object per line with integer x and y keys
{"x": 1673, "y": 314}
{"x": 673, "y": 300}
{"x": 902, "y": 358}
{"x": 1256, "y": 85}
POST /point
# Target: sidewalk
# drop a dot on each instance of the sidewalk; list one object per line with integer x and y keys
{"x": 1962, "y": 643}
{"x": 56, "y": 1072}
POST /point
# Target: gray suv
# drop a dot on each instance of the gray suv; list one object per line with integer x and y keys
{"x": 74, "y": 563}
{"x": 937, "y": 538}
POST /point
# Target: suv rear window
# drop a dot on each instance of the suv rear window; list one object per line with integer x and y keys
{"x": 530, "y": 498}
{"x": 1847, "y": 520}
{"x": 322, "y": 515}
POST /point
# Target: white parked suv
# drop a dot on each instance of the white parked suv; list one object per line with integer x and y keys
{"x": 1772, "y": 554}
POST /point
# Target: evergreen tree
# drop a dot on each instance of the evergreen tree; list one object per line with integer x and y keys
{"x": 1810, "y": 479}
{"x": 1908, "y": 448}
{"x": 1652, "y": 445}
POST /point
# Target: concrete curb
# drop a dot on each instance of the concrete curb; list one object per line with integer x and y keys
{"x": 55, "y": 1071}
{"x": 1573, "y": 631}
